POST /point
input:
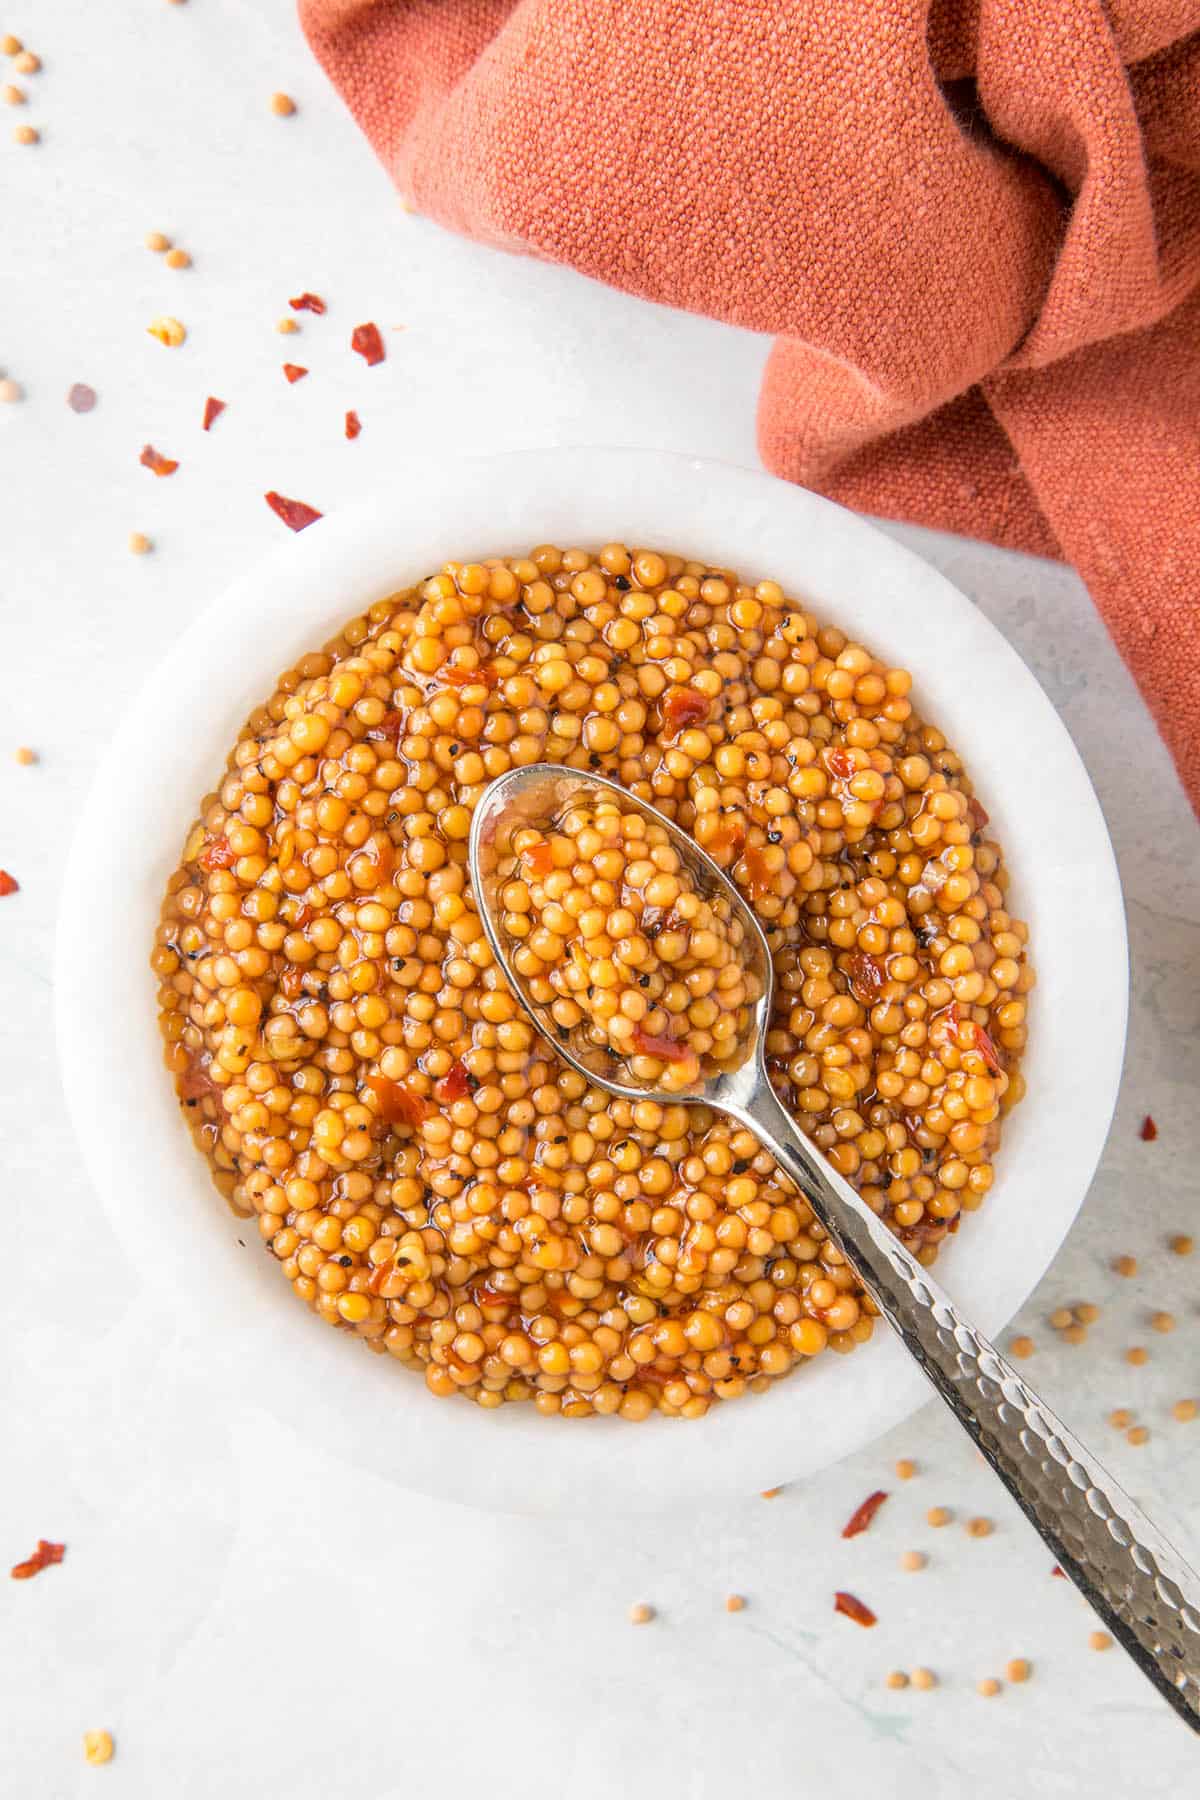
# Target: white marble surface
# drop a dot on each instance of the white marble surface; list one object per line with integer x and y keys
{"x": 244, "y": 1615}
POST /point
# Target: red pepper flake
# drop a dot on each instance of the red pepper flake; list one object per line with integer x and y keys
{"x": 759, "y": 877}
{"x": 8, "y": 884}
{"x": 684, "y": 706}
{"x": 457, "y": 676}
{"x": 866, "y": 975}
{"x": 538, "y": 858}
{"x": 365, "y": 339}
{"x": 1149, "y": 1130}
{"x": 977, "y": 814}
{"x": 729, "y": 839}
{"x": 1061, "y": 1573}
{"x": 486, "y": 1296}
{"x": 651, "y": 1043}
{"x": 987, "y": 1050}
{"x": 454, "y": 1085}
{"x": 398, "y": 1105}
{"x": 152, "y": 460}
{"x": 81, "y": 398}
{"x": 196, "y": 1082}
{"x": 212, "y": 411}
{"x": 312, "y": 303}
{"x": 291, "y": 982}
{"x": 294, "y": 513}
{"x": 861, "y": 1518}
{"x": 840, "y": 763}
{"x": 353, "y": 424}
{"x": 853, "y": 1609}
{"x": 390, "y": 728}
{"x": 295, "y": 372}
{"x": 45, "y": 1554}
{"x": 218, "y": 853}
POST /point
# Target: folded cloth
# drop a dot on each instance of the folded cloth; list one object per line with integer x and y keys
{"x": 972, "y": 225}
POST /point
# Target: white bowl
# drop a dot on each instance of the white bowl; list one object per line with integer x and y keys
{"x": 170, "y": 749}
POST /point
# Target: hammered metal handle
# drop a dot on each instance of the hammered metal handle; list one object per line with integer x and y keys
{"x": 1121, "y": 1563}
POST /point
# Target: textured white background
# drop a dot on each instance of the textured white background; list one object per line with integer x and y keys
{"x": 245, "y": 1615}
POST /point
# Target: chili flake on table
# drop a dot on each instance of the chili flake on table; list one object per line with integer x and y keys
{"x": 157, "y": 464}
{"x": 294, "y": 513}
{"x": 365, "y": 339}
{"x": 212, "y": 412}
{"x": 45, "y": 1554}
{"x": 861, "y": 1518}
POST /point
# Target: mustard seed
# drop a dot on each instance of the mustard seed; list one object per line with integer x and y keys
{"x": 10, "y": 45}
{"x": 26, "y": 63}
{"x": 1137, "y": 1434}
{"x": 980, "y": 1528}
{"x": 26, "y": 134}
{"x": 10, "y": 391}
{"x": 1183, "y": 1245}
{"x": 913, "y": 1560}
{"x": 12, "y": 95}
{"x": 1087, "y": 1313}
{"x": 1126, "y": 1266}
{"x": 139, "y": 543}
{"x": 924, "y": 1678}
{"x": 1121, "y": 1419}
{"x": 1075, "y": 1334}
{"x": 1021, "y": 1347}
{"x": 896, "y": 1679}
{"x": 25, "y": 756}
{"x": 1184, "y": 1410}
{"x": 287, "y": 327}
{"x": 1163, "y": 1321}
{"x": 938, "y": 1516}
{"x": 157, "y": 241}
{"x": 1061, "y": 1317}
{"x": 735, "y": 1603}
{"x": 1099, "y": 1640}
{"x": 1137, "y": 1354}
{"x": 641, "y": 1614}
{"x": 905, "y": 1469}
{"x": 97, "y": 1747}
{"x": 989, "y": 1687}
{"x": 1019, "y": 1669}
{"x": 282, "y": 105}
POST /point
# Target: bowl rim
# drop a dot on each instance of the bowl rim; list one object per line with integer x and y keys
{"x": 270, "y": 1352}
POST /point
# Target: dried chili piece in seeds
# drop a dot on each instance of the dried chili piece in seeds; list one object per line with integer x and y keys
{"x": 454, "y": 1085}
{"x": 853, "y": 1609}
{"x": 862, "y": 1516}
{"x": 987, "y": 1049}
{"x": 353, "y": 424}
{"x": 365, "y": 339}
{"x": 759, "y": 877}
{"x": 398, "y": 1105}
{"x": 977, "y": 814}
{"x": 156, "y": 463}
{"x": 460, "y": 677}
{"x": 295, "y": 372}
{"x": 1149, "y": 1130}
{"x": 312, "y": 303}
{"x": 866, "y": 975}
{"x": 218, "y": 853}
{"x": 212, "y": 411}
{"x": 684, "y": 706}
{"x": 294, "y": 513}
{"x": 840, "y": 763}
{"x": 539, "y": 858}
{"x": 45, "y": 1554}
{"x": 390, "y": 728}
{"x": 654, "y": 1043}
{"x": 8, "y": 883}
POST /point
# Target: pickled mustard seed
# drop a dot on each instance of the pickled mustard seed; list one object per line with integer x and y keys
{"x": 368, "y": 344}
{"x": 294, "y": 513}
{"x": 167, "y": 330}
{"x": 46, "y": 1553}
{"x": 97, "y": 1747}
{"x": 81, "y": 398}
{"x": 905, "y": 1469}
{"x": 1184, "y": 1410}
{"x": 924, "y": 1679}
{"x": 1021, "y": 1347}
{"x": 735, "y": 1603}
{"x": 25, "y": 756}
{"x": 1019, "y": 1669}
{"x": 1126, "y": 1266}
{"x": 641, "y": 1614}
{"x": 9, "y": 391}
{"x": 8, "y": 884}
{"x": 282, "y": 105}
{"x": 307, "y": 302}
{"x": 861, "y": 1517}
{"x": 853, "y": 1608}
{"x": 139, "y": 543}
{"x": 157, "y": 241}
{"x": 989, "y": 1687}
{"x": 158, "y": 464}
{"x": 353, "y": 424}
{"x": 212, "y": 411}
{"x": 294, "y": 372}
{"x": 1099, "y": 1640}
{"x": 1149, "y": 1130}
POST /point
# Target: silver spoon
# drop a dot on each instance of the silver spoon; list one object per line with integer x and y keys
{"x": 1119, "y": 1561}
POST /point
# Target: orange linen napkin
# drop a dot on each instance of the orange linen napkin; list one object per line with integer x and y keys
{"x": 972, "y": 225}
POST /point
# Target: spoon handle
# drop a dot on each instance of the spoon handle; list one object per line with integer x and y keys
{"x": 1121, "y": 1563}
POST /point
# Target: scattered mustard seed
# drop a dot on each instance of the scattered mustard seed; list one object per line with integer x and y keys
{"x": 980, "y": 1528}
{"x": 905, "y": 1469}
{"x": 1183, "y": 1245}
{"x": 25, "y": 756}
{"x": 167, "y": 330}
{"x": 1120, "y": 1419}
{"x": 735, "y": 1603}
{"x": 1019, "y": 1669}
{"x": 770, "y": 1493}
{"x": 1125, "y": 1265}
{"x": 1021, "y": 1347}
{"x": 97, "y": 1746}
{"x": 912, "y": 1560}
{"x": 989, "y": 1687}
{"x": 26, "y": 63}
{"x": 938, "y": 1515}
{"x": 10, "y": 45}
{"x": 1184, "y": 1410}
{"x": 139, "y": 543}
{"x": 12, "y": 95}
{"x": 1138, "y": 1434}
{"x": 26, "y": 134}
{"x": 1137, "y": 1354}
{"x": 158, "y": 241}
{"x": 287, "y": 326}
{"x": 1061, "y": 1317}
{"x": 9, "y": 391}
{"x": 641, "y": 1614}
{"x": 282, "y": 105}
{"x": 1163, "y": 1321}
{"x": 1099, "y": 1640}
{"x": 896, "y": 1679}
{"x": 924, "y": 1678}
{"x": 177, "y": 259}
{"x": 1086, "y": 1313}
{"x": 1075, "y": 1334}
